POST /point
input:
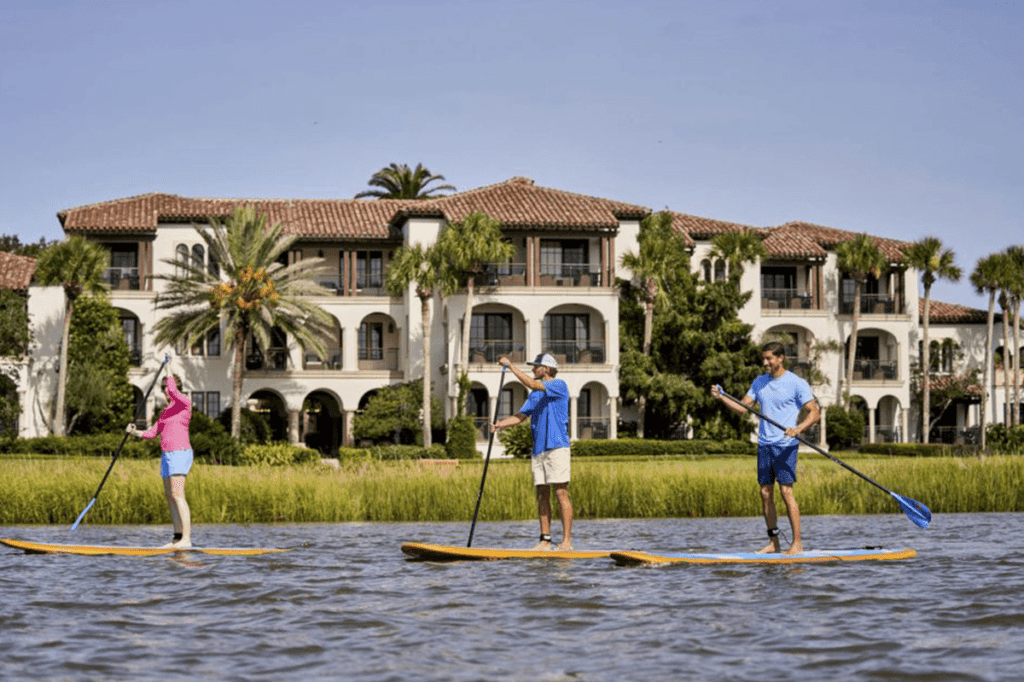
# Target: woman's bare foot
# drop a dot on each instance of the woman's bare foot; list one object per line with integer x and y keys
{"x": 542, "y": 545}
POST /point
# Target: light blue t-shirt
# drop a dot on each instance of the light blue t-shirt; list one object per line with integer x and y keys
{"x": 548, "y": 411}
{"x": 781, "y": 399}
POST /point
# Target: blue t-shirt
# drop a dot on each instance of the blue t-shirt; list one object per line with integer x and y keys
{"x": 781, "y": 399}
{"x": 548, "y": 411}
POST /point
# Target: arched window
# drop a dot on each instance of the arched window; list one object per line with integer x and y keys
{"x": 705, "y": 266}
{"x": 198, "y": 256}
{"x": 719, "y": 270}
{"x": 181, "y": 256}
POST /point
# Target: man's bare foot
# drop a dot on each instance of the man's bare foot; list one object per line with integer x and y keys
{"x": 771, "y": 548}
{"x": 542, "y": 545}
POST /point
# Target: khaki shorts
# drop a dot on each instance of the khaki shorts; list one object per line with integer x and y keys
{"x": 550, "y": 466}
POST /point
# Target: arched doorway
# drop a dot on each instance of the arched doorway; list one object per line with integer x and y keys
{"x": 272, "y": 407}
{"x": 322, "y": 424}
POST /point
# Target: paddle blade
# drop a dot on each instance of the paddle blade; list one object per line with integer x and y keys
{"x": 915, "y": 511}
{"x": 84, "y": 512}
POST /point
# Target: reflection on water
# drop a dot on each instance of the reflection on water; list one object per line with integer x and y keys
{"x": 346, "y": 604}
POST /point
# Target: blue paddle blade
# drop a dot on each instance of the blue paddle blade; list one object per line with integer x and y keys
{"x": 915, "y": 511}
{"x": 84, "y": 512}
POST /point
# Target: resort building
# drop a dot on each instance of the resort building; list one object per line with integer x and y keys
{"x": 556, "y": 295}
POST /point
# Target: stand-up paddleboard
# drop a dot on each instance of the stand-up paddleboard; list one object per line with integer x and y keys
{"x": 95, "y": 550}
{"x": 817, "y": 556}
{"x": 425, "y": 552}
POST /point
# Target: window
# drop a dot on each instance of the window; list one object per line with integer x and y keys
{"x": 369, "y": 269}
{"x": 371, "y": 341}
{"x": 213, "y": 266}
{"x": 130, "y": 326}
{"x": 563, "y": 258}
{"x": 208, "y": 403}
{"x": 198, "y": 256}
{"x": 567, "y": 335}
{"x": 181, "y": 257}
{"x": 210, "y": 345}
{"x": 705, "y": 266}
{"x": 490, "y": 336}
{"x": 719, "y": 270}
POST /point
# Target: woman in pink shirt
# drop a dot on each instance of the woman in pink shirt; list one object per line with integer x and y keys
{"x": 176, "y": 460}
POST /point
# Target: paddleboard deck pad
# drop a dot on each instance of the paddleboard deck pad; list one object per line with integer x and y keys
{"x": 426, "y": 552}
{"x": 817, "y": 556}
{"x": 96, "y": 550}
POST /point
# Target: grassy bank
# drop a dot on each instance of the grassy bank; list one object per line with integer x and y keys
{"x": 54, "y": 491}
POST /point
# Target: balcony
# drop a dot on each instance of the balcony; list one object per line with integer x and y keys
{"x": 501, "y": 275}
{"x": 334, "y": 286}
{"x": 378, "y": 359}
{"x": 575, "y": 352}
{"x": 487, "y": 351}
{"x": 786, "y": 299}
{"x": 315, "y": 362}
{"x": 274, "y": 360}
{"x": 875, "y": 370}
{"x": 576, "y": 275}
{"x": 122, "y": 279}
{"x": 870, "y": 304}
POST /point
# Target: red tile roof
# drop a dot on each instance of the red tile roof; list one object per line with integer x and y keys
{"x": 808, "y": 239}
{"x": 16, "y": 271}
{"x": 517, "y": 203}
{"x": 952, "y": 313}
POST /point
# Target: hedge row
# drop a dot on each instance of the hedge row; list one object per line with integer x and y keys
{"x": 633, "y": 447}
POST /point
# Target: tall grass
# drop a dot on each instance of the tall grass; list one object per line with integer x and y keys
{"x": 54, "y": 491}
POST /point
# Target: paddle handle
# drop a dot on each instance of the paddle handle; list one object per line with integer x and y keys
{"x": 487, "y": 459}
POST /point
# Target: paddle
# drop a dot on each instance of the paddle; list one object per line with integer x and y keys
{"x": 487, "y": 459}
{"x": 117, "y": 453}
{"x": 915, "y": 511}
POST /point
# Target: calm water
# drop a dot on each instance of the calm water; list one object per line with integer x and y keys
{"x": 345, "y": 604}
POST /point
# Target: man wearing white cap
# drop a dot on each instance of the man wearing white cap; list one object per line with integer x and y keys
{"x": 547, "y": 406}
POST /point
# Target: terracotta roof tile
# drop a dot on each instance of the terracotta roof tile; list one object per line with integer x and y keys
{"x": 16, "y": 271}
{"x": 829, "y": 237}
{"x": 952, "y": 313}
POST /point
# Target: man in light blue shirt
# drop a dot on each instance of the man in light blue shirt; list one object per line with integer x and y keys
{"x": 782, "y": 395}
{"x": 547, "y": 406}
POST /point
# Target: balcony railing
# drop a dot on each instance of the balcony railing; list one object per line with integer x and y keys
{"x": 274, "y": 360}
{"x": 314, "y": 361}
{"x": 592, "y": 427}
{"x": 486, "y": 351}
{"x": 870, "y": 304}
{"x": 576, "y": 275}
{"x": 576, "y": 352}
{"x": 790, "y": 299}
{"x": 501, "y": 275}
{"x": 333, "y": 286}
{"x": 874, "y": 370}
{"x": 378, "y": 359}
{"x": 122, "y": 279}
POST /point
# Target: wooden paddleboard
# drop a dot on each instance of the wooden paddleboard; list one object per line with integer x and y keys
{"x": 426, "y": 552}
{"x": 94, "y": 550}
{"x": 817, "y": 556}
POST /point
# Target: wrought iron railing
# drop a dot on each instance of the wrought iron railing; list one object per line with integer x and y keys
{"x": 122, "y": 279}
{"x": 792, "y": 299}
{"x": 576, "y": 352}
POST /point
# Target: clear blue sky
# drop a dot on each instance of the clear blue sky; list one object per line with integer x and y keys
{"x": 901, "y": 119}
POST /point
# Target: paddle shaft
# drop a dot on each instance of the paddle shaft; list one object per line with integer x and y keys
{"x": 117, "y": 453}
{"x": 487, "y": 459}
{"x": 809, "y": 444}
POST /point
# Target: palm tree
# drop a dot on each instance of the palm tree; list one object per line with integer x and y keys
{"x": 1015, "y": 289}
{"x": 661, "y": 253}
{"x": 78, "y": 266}
{"x": 738, "y": 248}
{"x": 463, "y": 251}
{"x": 934, "y": 263}
{"x": 250, "y": 291}
{"x": 986, "y": 278}
{"x": 414, "y": 264}
{"x": 401, "y": 182}
{"x": 858, "y": 258}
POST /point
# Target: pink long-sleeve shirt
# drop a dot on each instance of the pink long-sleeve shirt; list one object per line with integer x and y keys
{"x": 173, "y": 422}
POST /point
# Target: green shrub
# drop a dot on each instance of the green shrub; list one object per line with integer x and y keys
{"x": 461, "y": 438}
{"x": 999, "y": 438}
{"x": 911, "y": 449}
{"x": 632, "y": 447}
{"x": 276, "y": 454}
{"x": 92, "y": 445}
{"x": 843, "y": 428}
{"x": 210, "y": 440}
{"x": 393, "y": 453}
{"x": 518, "y": 440}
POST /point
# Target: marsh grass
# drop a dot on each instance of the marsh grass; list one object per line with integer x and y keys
{"x": 54, "y": 491}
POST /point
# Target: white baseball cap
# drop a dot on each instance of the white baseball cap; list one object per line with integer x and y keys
{"x": 545, "y": 360}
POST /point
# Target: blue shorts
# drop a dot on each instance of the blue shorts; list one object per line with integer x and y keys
{"x": 175, "y": 463}
{"x": 776, "y": 463}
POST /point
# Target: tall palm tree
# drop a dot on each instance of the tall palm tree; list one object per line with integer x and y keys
{"x": 79, "y": 267}
{"x": 400, "y": 182}
{"x": 985, "y": 277}
{"x": 858, "y": 258}
{"x": 738, "y": 248}
{"x": 1015, "y": 289}
{"x": 250, "y": 291}
{"x": 661, "y": 252}
{"x": 934, "y": 262}
{"x": 422, "y": 266}
{"x": 463, "y": 251}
